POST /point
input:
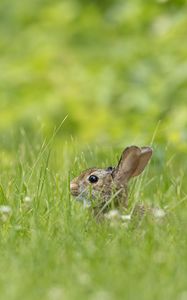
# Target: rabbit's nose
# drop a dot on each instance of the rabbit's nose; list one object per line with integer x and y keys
{"x": 74, "y": 188}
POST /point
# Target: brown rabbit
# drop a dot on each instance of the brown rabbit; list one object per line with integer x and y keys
{"x": 101, "y": 188}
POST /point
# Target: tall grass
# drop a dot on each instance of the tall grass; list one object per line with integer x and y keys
{"x": 53, "y": 248}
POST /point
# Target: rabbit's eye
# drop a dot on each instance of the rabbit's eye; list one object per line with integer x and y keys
{"x": 93, "y": 179}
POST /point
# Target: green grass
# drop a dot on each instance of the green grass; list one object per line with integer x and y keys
{"x": 117, "y": 69}
{"x": 52, "y": 248}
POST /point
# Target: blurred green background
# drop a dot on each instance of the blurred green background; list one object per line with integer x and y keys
{"x": 118, "y": 69}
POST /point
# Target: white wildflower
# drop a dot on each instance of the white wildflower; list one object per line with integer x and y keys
{"x": 126, "y": 217}
{"x": 5, "y": 209}
{"x": 113, "y": 215}
{"x": 27, "y": 199}
{"x": 158, "y": 213}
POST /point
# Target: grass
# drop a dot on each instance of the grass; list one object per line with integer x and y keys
{"x": 52, "y": 248}
{"x": 115, "y": 68}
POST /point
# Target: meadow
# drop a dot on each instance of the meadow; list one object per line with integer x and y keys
{"x": 79, "y": 81}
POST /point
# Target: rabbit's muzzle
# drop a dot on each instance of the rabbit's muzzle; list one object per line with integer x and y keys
{"x": 74, "y": 188}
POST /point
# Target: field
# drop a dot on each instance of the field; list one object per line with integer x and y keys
{"x": 79, "y": 81}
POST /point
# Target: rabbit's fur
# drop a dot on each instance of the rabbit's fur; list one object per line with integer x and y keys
{"x": 101, "y": 188}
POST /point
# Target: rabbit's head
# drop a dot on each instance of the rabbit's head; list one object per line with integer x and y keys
{"x": 104, "y": 184}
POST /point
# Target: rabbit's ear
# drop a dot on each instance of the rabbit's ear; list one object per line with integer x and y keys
{"x": 146, "y": 153}
{"x": 132, "y": 162}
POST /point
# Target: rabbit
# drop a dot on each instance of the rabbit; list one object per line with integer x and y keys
{"x": 101, "y": 188}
